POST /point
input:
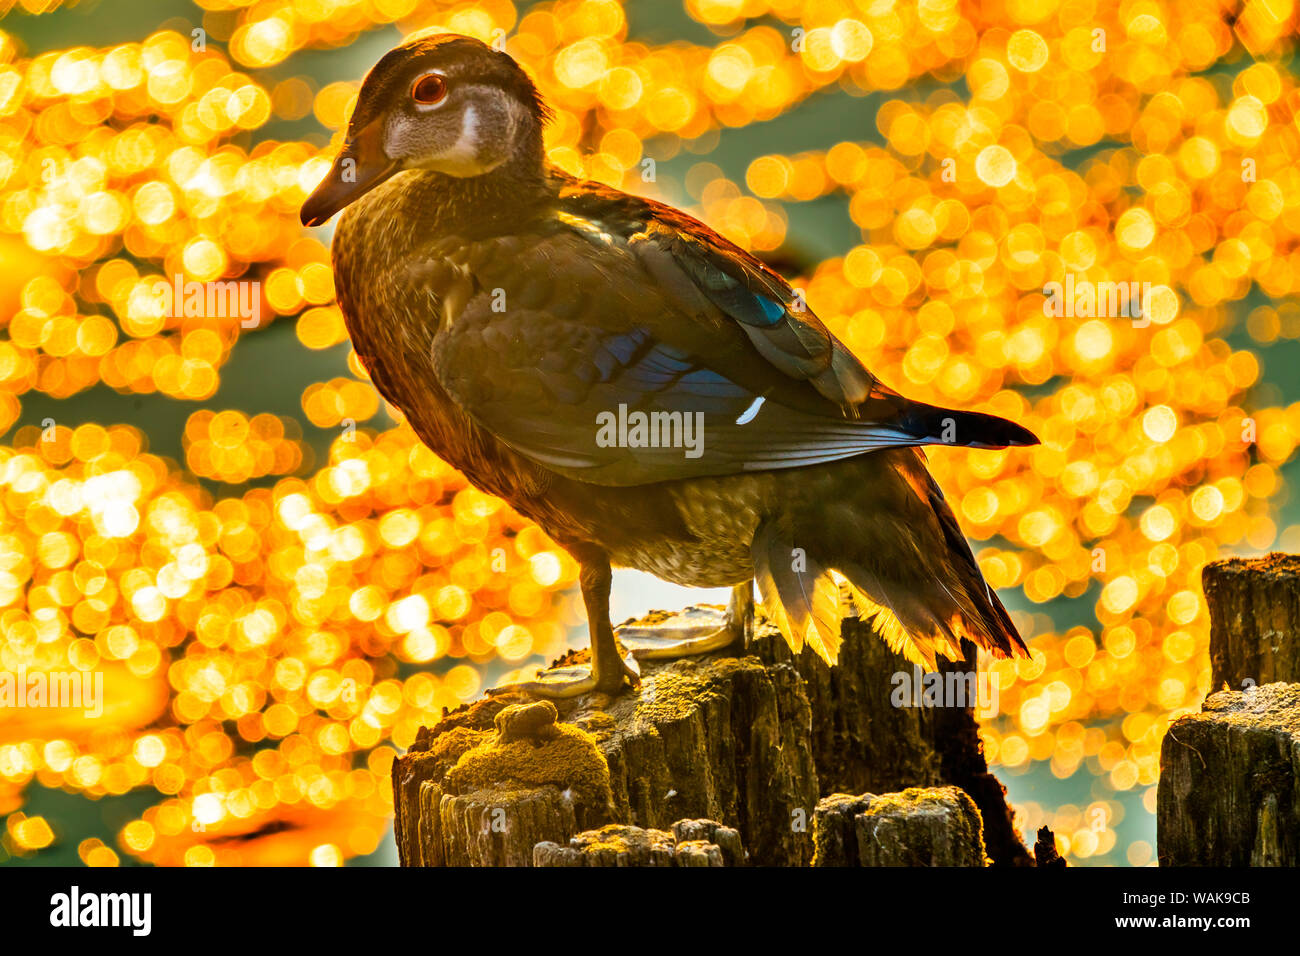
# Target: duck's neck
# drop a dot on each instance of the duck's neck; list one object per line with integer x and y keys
{"x": 436, "y": 205}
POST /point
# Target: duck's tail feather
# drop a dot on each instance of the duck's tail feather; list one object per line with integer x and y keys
{"x": 911, "y": 572}
{"x": 800, "y": 595}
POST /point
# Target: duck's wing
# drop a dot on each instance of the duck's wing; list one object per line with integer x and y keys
{"x": 621, "y": 342}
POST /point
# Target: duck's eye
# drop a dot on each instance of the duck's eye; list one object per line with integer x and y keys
{"x": 429, "y": 89}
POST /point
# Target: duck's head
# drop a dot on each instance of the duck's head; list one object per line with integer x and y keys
{"x": 443, "y": 102}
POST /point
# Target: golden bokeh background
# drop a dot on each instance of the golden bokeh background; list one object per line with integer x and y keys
{"x": 274, "y": 620}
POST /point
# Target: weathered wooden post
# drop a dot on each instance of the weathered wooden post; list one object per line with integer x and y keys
{"x": 752, "y": 743}
{"x": 721, "y": 738}
{"x": 934, "y": 826}
{"x": 863, "y": 743}
{"x": 1229, "y": 792}
{"x": 1254, "y": 620}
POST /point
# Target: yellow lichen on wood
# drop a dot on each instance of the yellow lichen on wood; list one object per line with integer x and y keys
{"x": 455, "y": 743}
{"x": 531, "y": 750}
{"x": 445, "y": 750}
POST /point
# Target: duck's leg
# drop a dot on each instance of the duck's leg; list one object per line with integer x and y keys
{"x": 609, "y": 672}
{"x": 696, "y": 630}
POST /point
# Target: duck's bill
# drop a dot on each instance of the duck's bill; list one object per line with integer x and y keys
{"x": 359, "y": 168}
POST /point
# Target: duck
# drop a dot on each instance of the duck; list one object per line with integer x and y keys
{"x": 649, "y": 393}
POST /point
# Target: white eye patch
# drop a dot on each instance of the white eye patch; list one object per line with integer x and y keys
{"x": 465, "y": 149}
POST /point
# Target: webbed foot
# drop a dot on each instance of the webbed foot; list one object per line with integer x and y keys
{"x": 562, "y": 683}
{"x": 696, "y": 630}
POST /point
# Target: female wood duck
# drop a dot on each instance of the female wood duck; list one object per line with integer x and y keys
{"x": 649, "y": 393}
